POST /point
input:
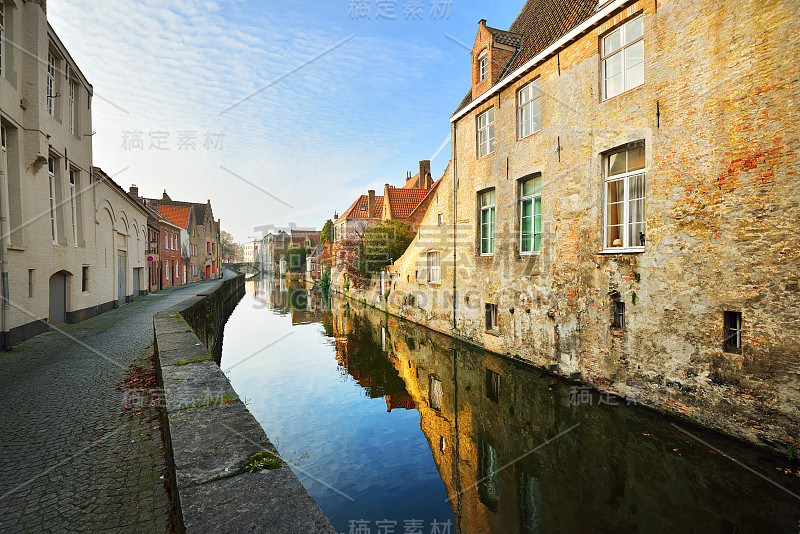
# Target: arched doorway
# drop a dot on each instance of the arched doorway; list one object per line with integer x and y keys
{"x": 58, "y": 299}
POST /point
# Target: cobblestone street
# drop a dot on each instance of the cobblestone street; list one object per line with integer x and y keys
{"x": 70, "y": 459}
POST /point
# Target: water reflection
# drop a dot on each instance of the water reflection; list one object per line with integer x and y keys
{"x": 514, "y": 453}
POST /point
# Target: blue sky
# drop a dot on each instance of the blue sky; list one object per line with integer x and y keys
{"x": 166, "y": 76}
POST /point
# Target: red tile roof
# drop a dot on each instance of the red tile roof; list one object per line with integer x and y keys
{"x": 540, "y": 23}
{"x": 403, "y": 201}
{"x": 177, "y": 214}
{"x": 355, "y": 208}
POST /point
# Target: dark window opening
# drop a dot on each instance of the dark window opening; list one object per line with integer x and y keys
{"x": 618, "y": 319}
{"x": 491, "y": 317}
{"x": 85, "y": 279}
{"x": 733, "y": 331}
{"x": 492, "y": 385}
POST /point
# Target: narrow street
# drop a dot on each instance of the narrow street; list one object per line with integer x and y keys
{"x": 72, "y": 458}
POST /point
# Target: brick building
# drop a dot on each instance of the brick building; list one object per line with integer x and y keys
{"x": 626, "y": 206}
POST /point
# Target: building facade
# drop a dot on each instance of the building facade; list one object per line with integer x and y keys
{"x": 72, "y": 241}
{"x": 622, "y": 206}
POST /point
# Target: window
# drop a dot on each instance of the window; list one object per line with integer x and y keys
{"x": 4, "y": 174}
{"x": 440, "y": 219}
{"x": 483, "y": 67}
{"x": 435, "y": 393}
{"x": 177, "y": 274}
{"x": 30, "y": 283}
{"x": 491, "y": 317}
{"x": 529, "y": 109}
{"x": 51, "y": 170}
{"x": 51, "y": 83}
{"x": 486, "y": 133}
{"x": 214, "y": 247}
{"x": 208, "y": 247}
{"x": 487, "y": 222}
{"x": 73, "y": 208}
{"x": 2, "y": 35}
{"x": 530, "y": 215}
{"x": 363, "y": 208}
{"x": 85, "y": 279}
{"x": 492, "y": 385}
{"x": 624, "y": 213}
{"x": 72, "y": 108}
{"x": 618, "y": 317}
{"x": 434, "y": 268}
{"x": 488, "y": 486}
{"x": 166, "y": 269}
{"x": 166, "y": 241}
{"x": 622, "y": 58}
{"x": 733, "y": 332}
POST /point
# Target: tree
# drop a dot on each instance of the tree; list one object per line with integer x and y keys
{"x": 326, "y": 236}
{"x": 359, "y": 256}
{"x": 227, "y": 246}
{"x": 296, "y": 259}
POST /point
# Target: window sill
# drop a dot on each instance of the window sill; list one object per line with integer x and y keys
{"x": 21, "y": 248}
{"x": 611, "y": 251}
{"x": 606, "y": 99}
{"x": 494, "y": 332}
{"x": 482, "y": 255}
{"x": 487, "y": 155}
{"x": 523, "y": 255}
{"x": 529, "y": 135}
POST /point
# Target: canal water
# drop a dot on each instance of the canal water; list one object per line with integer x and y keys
{"x": 394, "y": 428}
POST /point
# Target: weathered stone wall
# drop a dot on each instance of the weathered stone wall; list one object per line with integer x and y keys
{"x": 722, "y": 205}
{"x": 210, "y": 434}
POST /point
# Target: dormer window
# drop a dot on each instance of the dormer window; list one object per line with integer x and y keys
{"x": 363, "y": 208}
{"x": 482, "y": 67}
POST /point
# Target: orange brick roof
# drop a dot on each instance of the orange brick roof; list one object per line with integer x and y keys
{"x": 355, "y": 208}
{"x": 177, "y": 214}
{"x": 403, "y": 201}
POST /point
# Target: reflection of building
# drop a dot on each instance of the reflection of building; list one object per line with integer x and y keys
{"x": 489, "y": 422}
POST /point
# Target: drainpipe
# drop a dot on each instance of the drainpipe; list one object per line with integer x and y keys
{"x": 4, "y": 227}
{"x": 455, "y": 215}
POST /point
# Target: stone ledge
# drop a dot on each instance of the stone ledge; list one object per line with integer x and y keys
{"x": 207, "y": 444}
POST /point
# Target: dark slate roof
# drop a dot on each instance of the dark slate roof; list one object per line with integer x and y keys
{"x": 506, "y": 38}
{"x": 540, "y": 24}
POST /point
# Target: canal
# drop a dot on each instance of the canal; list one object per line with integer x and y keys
{"x": 394, "y": 428}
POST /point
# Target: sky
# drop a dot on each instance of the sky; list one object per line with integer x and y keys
{"x": 279, "y": 112}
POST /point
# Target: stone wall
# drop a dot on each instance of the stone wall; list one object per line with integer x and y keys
{"x": 722, "y": 205}
{"x": 211, "y": 437}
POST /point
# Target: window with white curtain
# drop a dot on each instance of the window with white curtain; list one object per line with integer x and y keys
{"x": 625, "y": 199}
{"x": 529, "y": 109}
{"x": 434, "y": 268}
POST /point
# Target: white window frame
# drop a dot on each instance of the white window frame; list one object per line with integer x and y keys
{"x": 532, "y": 198}
{"x": 485, "y": 133}
{"x": 624, "y": 46}
{"x": 73, "y": 208}
{"x": 2, "y": 37}
{"x": 51, "y": 83}
{"x": 166, "y": 269}
{"x": 628, "y": 244}
{"x": 487, "y": 229}
{"x": 434, "y": 267}
{"x": 72, "y": 107}
{"x": 51, "y": 172}
{"x": 483, "y": 66}
{"x": 528, "y": 98}
{"x": 4, "y": 178}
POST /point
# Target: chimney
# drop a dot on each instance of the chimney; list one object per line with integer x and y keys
{"x": 134, "y": 191}
{"x": 482, "y": 22}
{"x": 166, "y": 196}
{"x": 424, "y": 174}
{"x": 371, "y": 203}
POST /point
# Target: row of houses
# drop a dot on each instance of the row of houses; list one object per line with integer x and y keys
{"x": 621, "y": 207}
{"x": 73, "y": 243}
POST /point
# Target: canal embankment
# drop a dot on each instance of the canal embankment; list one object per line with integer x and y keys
{"x": 225, "y": 474}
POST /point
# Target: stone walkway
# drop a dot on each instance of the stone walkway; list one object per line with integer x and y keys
{"x": 72, "y": 459}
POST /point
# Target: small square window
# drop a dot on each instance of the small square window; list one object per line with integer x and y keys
{"x": 440, "y": 219}
{"x": 492, "y": 386}
{"x": 491, "y": 317}
{"x": 733, "y": 332}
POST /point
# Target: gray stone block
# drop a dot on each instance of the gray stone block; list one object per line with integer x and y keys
{"x": 176, "y": 340}
{"x": 264, "y": 501}
{"x": 194, "y": 383}
{"x": 214, "y": 441}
